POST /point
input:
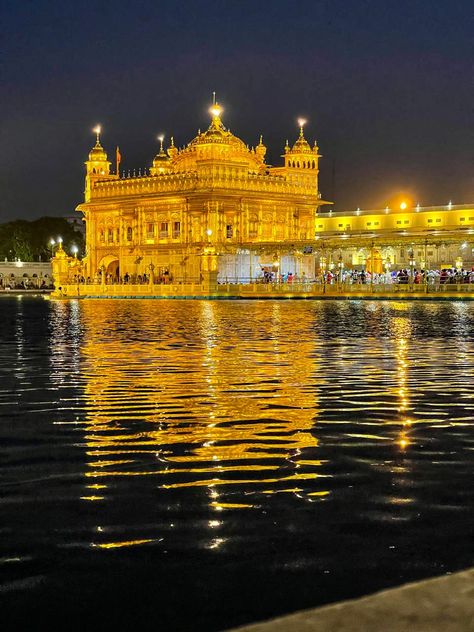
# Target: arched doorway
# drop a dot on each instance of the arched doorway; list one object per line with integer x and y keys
{"x": 110, "y": 263}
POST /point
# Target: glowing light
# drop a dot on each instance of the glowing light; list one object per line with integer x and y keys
{"x": 403, "y": 205}
{"x": 119, "y": 545}
{"x": 215, "y": 110}
{"x": 208, "y": 232}
{"x": 60, "y": 240}
{"x": 161, "y": 138}
{"x": 302, "y": 122}
{"x": 97, "y": 129}
{"x": 74, "y": 250}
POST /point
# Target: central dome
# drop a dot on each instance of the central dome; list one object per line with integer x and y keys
{"x": 217, "y": 133}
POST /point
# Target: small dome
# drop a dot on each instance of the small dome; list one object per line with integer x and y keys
{"x": 301, "y": 146}
{"x": 161, "y": 158}
{"x": 97, "y": 153}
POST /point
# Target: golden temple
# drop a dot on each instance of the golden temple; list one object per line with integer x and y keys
{"x": 214, "y": 212}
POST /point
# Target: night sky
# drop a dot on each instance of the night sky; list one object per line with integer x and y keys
{"x": 387, "y": 88}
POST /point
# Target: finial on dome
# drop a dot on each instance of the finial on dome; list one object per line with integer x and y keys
{"x": 287, "y": 147}
{"x": 97, "y": 130}
{"x": 172, "y": 141}
{"x": 301, "y": 122}
{"x": 216, "y": 111}
{"x": 161, "y": 138}
{"x": 260, "y": 149}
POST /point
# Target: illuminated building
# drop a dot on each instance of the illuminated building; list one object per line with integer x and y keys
{"x": 213, "y": 212}
{"x": 215, "y": 195}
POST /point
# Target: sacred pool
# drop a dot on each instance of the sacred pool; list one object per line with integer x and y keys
{"x": 198, "y": 465}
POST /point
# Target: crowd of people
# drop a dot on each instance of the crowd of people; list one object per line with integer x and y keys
{"x": 330, "y": 277}
{"x": 24, "y": 284}
{"x": 403, "y": 277}
{"x": 136, "y": 279}
{"x": 363, "y": 277}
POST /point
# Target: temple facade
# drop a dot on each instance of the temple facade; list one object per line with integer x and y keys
{"x": 215, "y": 195}
{"x": 213, "y": 212}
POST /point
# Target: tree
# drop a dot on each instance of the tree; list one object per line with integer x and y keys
{"x": 30, "y": 241}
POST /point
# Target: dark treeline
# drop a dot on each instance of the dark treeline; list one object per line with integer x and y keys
{"x": 31, "y": 241}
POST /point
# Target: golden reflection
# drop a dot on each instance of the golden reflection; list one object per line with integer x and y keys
{"x": 119, "y": 545}
{"x": 178, "y": 392}
{"x": 402, "y": 389}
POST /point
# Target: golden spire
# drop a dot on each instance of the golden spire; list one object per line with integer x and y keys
{"x": 260, "y": 149}
{"x": 216, "y": 111}
{"x": 161, "y": 138}
{"x": 172, "y": 151}
{"x": 301, "y": 123}
{"x": 97, "y": 129}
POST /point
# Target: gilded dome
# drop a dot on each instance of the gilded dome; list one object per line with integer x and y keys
{"x": 97, "y": 153}
{"x": 301, "y": 146}
{"x": 161, "y": 157}
{"x": 217, "y": 133}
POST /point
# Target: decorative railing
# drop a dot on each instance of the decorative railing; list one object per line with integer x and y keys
{"x": 182, "y": 182}
{"x": 256, "y": 289}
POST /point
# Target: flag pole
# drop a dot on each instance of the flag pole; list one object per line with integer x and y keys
{"x": 117, "y": 160}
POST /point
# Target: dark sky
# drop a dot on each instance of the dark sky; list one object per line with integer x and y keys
{"x": 387, "y": 88}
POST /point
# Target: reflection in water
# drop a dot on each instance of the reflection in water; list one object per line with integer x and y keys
{"x": 192, "y": 401}
{"x": 289, "y": 444}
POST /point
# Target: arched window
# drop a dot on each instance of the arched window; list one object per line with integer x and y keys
{"x": 129, "y": 233}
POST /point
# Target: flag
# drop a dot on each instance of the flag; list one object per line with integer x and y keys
{"x": 118, "y": 158}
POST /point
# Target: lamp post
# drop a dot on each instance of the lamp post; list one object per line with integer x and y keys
{"x": 151, "y": 267}
{"x": 458, "y": 264}
{"x": 340, "y": 265}
{"x": 276, "y": 268}
{"x": 387, "y": 266}
{"x": 412, "y": 264}
{"x": 322, "y": 263}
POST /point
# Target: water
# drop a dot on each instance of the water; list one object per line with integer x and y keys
{"x": 180, "y": 465}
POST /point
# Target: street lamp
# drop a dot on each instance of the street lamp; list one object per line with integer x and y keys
{"x": 340, "y": 265}
{"x": 387, "y": 266}
{"x": 411, "y": 263}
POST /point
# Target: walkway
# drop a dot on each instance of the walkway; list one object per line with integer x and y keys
{"x": 444, "y": 604}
